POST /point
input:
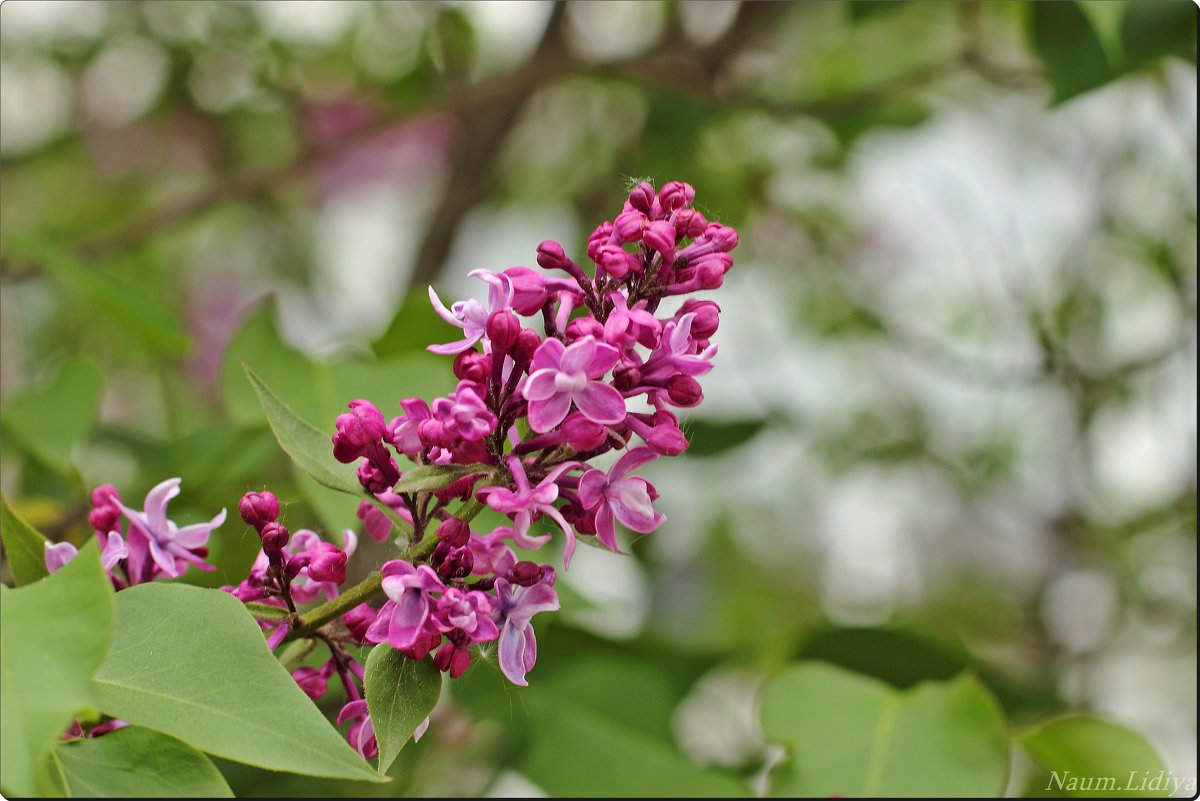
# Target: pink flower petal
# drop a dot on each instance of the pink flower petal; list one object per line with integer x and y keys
{"x": 600, "y": 403}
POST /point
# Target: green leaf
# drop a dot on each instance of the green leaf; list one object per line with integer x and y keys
{"x": 1070, "y": 50}
{"x": 579, "y": 752}
{"x": 855, "y": 736}
{"x": 310, "y": 448}
{"x": 434, "y": 477}
{"x": 117, "y": 300}
{"x": 1089, "y": 757}
{"x": 409, "y": 330}
{"x": 55, "y": 634}
{"x": 134, "y": 762}
{"x": 23, "y": 544}
{"x": 711, "y": 437}
{"x": 266, "y": 611}
{"x": 192, "y": 663}
{"x": 1152, "y": 29}
{"x": 401, "y": 692}
{"x": 48, "y": 423}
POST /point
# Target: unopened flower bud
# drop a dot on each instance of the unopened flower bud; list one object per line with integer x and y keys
{"x": 683, "y": 390}
{"x": 503, "y": 327}
{"x": 551, "y": 256}
{"x": 259, "y": 508}
{"x": 676, "y": 195}
{"x": 454, "y": 532}
{"x": 527, "y": 343}
{"x": 708, "y": 317}
{"x": 689, "y": 224}
{"x": 581, "y": 433}
{"x": 373, "y": 479}
{"x": 584, "y": 326}
{"x": 313, "y": 681}
{"x": 471, "y": 365}
{"x": 615, "y": 260}
{"x": 529, "y": 290}
{"x": 642, "y": 197}
{"x": 628, "y": 226}
{"x": 359, "y": 619}
{"x": 327, "y": 563}
{"x": 659, "y": 235}
{"x": 105, "y": 495}
{"x": 358, "y": 429}
{"x": 526, "y": 574}
{"x": 626, "y": 376}
{"x": 452, "y": 659}
{"x": 458, "y": 564}
{"x": 274, "y": 538}
{"x": 104, "y": 518}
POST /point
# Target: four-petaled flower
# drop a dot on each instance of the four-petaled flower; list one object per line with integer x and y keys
{"x": 170, "y": 547}
{"x": 626, "y": 499}
{"x": 518, "y": 645}
{"x": 402, "y": 617}
{"x": 561, "y": 374}
{"x": 526, "y": 501}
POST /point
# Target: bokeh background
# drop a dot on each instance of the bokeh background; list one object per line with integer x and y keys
{"x": 952, "y": 422}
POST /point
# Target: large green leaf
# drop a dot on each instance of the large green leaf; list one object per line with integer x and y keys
{"x": 55, "y": 634}
{"x": 310, "y": 448}
{"x": 49, "y": 422}
{"x": 126, "y": 305}
{"x": 24, "y": 546}
{"x": 576, "y": 751}
{"x": 1070, "y": 49}
{"x": 192, "y": 663}
{"x": 401, "y": 692}
{"x": 1151, "y": 29}
{"x": 851, "y": 735}
{"x": 1087, "y": 757}
{"x": 134, "y": 762}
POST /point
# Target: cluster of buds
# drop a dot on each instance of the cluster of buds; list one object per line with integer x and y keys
{"x": 152, "y": 545}
{"x": 534, "y": 405}
{"x": 289, "y": 569}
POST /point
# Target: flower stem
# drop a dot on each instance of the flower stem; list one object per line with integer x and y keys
{"x": 361, "y": 592}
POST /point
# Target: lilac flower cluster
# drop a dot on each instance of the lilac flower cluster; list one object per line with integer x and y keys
{"x": 535, "y": 405}
{"x": 597, "y": 372}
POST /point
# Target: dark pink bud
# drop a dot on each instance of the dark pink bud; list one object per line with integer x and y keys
{"x": 689, "y": 224}
{"x": 527, "y": 343}
{"x": 585, "y": 523}
{"x": 426, "y": 642}
{"x": 358, "y": 620}
{"x": 452, "y": 659}
{"x": 503, "y": 328}
{"x": 471, "y": 365}
{"x": 259, "y": 508}
{"x": 529, "y": 290}
{"x": 585, "y": 326}
{"x": 626, "y": 376}
{"x": 105, "y": 495}
{"x": 454, "y": 532}
{"x": 458, "y": 564}
{"x": 628, "y": 226}
{"x": 526, "y": 574}
{"x": 683, "y": 390}
{"x": 660, "y": 235}
{"x": 274, "y": 538}
{"x": 469, "y": 451}
{"x": 723, "y": 237}
{"x": 357, "y": 429}
{"x": 615, "y": 261}
{"x": 642, "y": 197}
{"x": 327, "y": 563}
{"x": 432, "y": 433}
{"x": 314, "y": 682}
{"x": 295, "y": 564}
{"x": 708, "y": 317}
{"x": 711, "y": 274}
{"x": 581, "y": 433}
{"x": 600, "y": 237}
{"x": 675, "y": 195}
{"x": 551, "y": 256}
{"x": 373, "y": 479}
{"x": 104, "y": 518}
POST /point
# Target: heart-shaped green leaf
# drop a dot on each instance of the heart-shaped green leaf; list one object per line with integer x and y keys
{"x": 192, "y": 663}
{"x": 1088, "y": 757}
{"x": 851, "y": 735}
{"x": 401, "y": 692}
